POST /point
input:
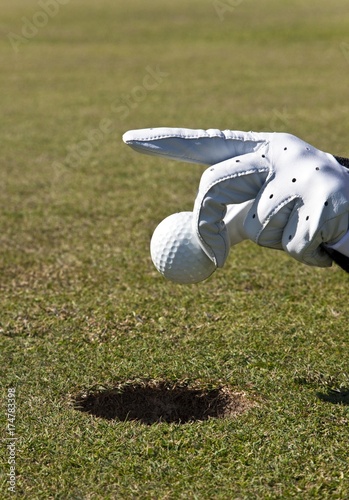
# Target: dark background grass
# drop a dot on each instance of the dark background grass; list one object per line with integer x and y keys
{"x": 83, "y": 309}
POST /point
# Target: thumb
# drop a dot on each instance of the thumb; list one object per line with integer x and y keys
{"x": 233, "y": 181}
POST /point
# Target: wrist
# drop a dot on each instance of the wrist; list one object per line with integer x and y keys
{"x": 342, "y": 246}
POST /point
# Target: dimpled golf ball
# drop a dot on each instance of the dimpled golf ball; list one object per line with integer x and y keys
{"x": 176, "y": 252}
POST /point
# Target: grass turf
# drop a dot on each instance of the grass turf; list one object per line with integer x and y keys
{"x": 82, "y": 308}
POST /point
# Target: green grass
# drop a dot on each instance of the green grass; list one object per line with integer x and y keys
{"x": 83, "y": 308}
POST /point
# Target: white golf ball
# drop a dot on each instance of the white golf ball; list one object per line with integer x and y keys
{"x": 176, "y": 251}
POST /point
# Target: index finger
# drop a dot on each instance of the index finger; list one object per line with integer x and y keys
{"x": 206, "y": 147}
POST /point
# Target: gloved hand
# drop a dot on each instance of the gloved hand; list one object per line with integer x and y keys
{"x": 272, "y": 188}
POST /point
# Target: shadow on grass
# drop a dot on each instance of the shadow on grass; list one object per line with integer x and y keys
{"x": 154, "y": 401}
{"x": 335, "y": 396}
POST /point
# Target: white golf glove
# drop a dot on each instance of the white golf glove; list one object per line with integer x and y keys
{"x": 271, "y": 188}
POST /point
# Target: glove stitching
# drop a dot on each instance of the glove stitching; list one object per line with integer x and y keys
{"x": 236, "y": 174}
{"x": 179, "y": 136}
{"x": 169, "y": 136}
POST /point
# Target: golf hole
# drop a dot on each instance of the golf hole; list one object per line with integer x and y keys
{"x": 155, "y": 401}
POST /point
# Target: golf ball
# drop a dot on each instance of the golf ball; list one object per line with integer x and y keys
{"x": 176, "y": 252}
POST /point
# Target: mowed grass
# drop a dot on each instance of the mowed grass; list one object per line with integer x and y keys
{"x": 82, "y": 307}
